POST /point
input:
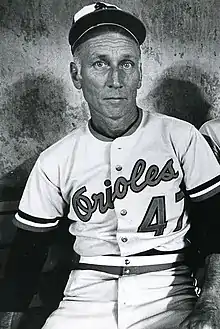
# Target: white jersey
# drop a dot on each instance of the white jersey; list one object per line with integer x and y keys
{"x": 126, "y": 195}
{"x": 211, "y": 129}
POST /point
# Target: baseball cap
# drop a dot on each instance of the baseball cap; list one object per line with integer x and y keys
{"x": 101, "y": 13}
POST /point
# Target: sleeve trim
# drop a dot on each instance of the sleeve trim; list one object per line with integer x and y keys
{"x": 207, "y": 195}
{"x": 205, "y": 186}
{"x": 31, "y": 228}
{"x": 33, "y": 221}
{"x": 205, "y": 189}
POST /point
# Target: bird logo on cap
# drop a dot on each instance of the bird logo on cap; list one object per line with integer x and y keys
{"x": 102, "y": 5}
{"x": 93, "y": 8}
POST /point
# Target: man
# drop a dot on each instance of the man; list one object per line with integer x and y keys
{"x": 124, "y": 180}
{"x": 210, "y": 130}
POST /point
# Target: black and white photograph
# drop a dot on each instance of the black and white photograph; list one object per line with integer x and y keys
{"x": 110, "y": 164}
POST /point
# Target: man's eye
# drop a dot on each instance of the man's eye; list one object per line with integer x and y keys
{"x": 99, "y": 64}
{"x": 127, "y": 65}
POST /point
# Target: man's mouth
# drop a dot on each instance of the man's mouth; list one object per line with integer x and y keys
{"x": 115, "y": 98}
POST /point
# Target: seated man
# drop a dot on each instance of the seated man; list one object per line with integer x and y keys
{"x": 125, "y": 180}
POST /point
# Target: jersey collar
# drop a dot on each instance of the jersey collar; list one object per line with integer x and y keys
{"x": 129, "y": 132}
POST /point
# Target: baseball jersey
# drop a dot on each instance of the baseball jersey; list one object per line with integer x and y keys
{"x": 126, "y": 195}
{"x": 211, "y": 131}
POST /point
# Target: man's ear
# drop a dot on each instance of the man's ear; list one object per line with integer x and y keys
{"x": 140, "y": 78}
{"x": 75, "y": 75}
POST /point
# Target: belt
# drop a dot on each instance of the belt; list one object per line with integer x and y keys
{"x": 119, "y": 265}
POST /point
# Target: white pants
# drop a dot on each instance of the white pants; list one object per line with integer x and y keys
{"x": 97, "y": 300}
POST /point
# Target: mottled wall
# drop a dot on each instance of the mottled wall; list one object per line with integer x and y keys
{"x": 38, "y": 104}
{"x": 181, "y": 58}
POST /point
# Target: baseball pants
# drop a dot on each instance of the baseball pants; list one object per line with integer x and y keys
{"x": 97, "y": 300}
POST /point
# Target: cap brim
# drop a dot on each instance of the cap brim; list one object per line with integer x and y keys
{"x": 108, "y": 17}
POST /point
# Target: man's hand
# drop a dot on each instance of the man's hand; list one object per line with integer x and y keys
{"x": 206, "y": 315}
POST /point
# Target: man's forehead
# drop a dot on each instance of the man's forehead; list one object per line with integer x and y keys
{"x": 108, "y": 53}
{"x": 112, "y": 55}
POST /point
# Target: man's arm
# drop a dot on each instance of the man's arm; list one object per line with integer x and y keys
{"x": 26, "y": 258}
{"x": 206, "y": 237}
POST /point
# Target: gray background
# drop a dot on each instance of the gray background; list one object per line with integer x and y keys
{"x": 38, "y": 104}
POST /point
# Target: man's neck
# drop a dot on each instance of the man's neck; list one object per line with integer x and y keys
{"x": 114, "y": 128}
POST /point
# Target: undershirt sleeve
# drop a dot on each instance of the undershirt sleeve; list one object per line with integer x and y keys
{"x": 26, "y": 258}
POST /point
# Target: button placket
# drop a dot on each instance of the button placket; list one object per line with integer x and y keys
{"x": 116, "y": 156}
{"x": 117, "y": 161}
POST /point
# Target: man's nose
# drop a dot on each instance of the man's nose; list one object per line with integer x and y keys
{"x": 115, "y": 78}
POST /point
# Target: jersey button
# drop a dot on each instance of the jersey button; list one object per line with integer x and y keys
{"x": 123, "y": 212}
{"x": 127, "y": 261}
{"x": 124, "y": 239}
{"x": 118, "y": 167}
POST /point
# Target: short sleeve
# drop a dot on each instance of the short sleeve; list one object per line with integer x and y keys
{"x": 210, "y": 131}
{"x": 206, "y": 128}
{"x": 41, "y": 205}
{"x": 201, "y": 169}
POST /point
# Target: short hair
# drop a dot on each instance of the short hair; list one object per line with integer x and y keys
{"x": 100, "y": 30}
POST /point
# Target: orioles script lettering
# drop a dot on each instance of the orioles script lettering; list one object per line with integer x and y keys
{"x": 84, "y": 206}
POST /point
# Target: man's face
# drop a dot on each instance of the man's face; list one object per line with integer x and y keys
{"x": 110, "y": 74}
